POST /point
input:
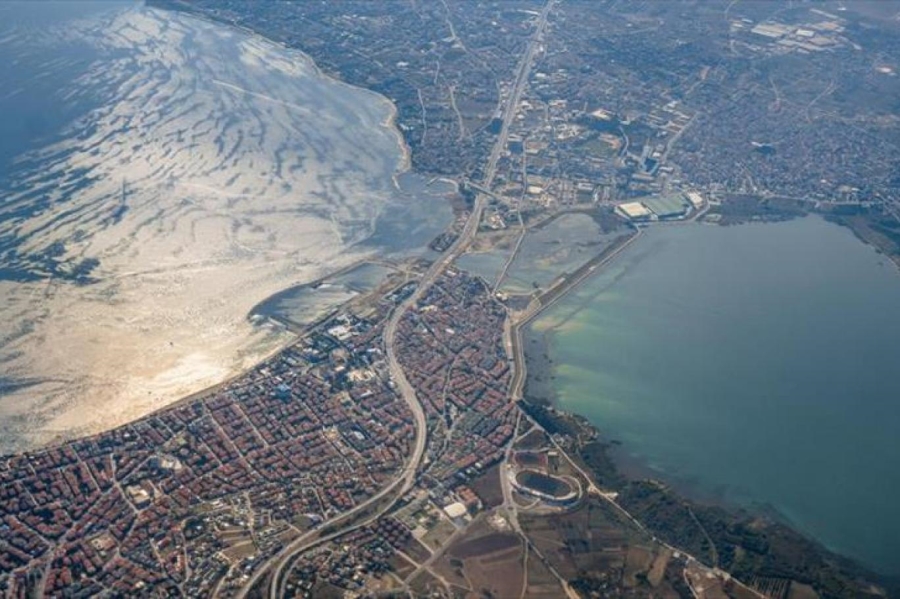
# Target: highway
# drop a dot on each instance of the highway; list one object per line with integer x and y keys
{"x": 453, "y": 252}
{"x": 279, "y": 564}
{"x": 512, "y": 103}
{"x": 470, "y": 228}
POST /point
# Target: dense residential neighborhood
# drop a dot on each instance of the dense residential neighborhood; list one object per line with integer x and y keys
{"x": 392, "y": 447}
{"x": 305, "y": 435}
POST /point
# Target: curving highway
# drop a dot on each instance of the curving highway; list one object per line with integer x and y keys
{"x": 279, "y": 566}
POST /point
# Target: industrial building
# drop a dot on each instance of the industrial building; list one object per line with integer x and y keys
{"x": 695, "y": 199}
{"x": 668, "y": 206}
{"x": 634, "y": 211}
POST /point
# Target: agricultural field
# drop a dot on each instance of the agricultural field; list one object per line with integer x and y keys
{"x": 487, "y": 487}
{"x": 598, "y": 551}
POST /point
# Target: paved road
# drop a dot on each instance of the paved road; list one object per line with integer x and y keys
{"x": 513, "y": 101}
{"x": 453, "y": 252}
{"x": 282, "y": 560}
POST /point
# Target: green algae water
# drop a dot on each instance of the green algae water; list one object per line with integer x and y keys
{"x": 759, "y": 364}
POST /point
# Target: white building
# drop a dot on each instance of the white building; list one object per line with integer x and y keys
{"x": 695, "y": 199}
{"x": 634, "y": 211}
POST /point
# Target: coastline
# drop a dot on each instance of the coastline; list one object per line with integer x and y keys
{"x": 623, "y": 469}
{"x": 540, "y": 365}
{"x": 389, "y": 122}
{"x": 539, "y": 389}
{"x": 641, "y": 491}
{"x": 383, "y": 115}
{"x": 740, "y": 208}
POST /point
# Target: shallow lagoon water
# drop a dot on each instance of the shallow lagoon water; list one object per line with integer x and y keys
{"x": 307, "y": 303}
{"x": 560, "y": 246}
{"x": 756, "y": 364}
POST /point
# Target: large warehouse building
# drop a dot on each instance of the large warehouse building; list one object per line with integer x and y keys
{"x": 634, "y": 211}
{"x": 672, "y": 206}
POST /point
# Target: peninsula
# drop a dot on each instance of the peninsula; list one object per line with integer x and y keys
{"x": 393, "y": 448}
